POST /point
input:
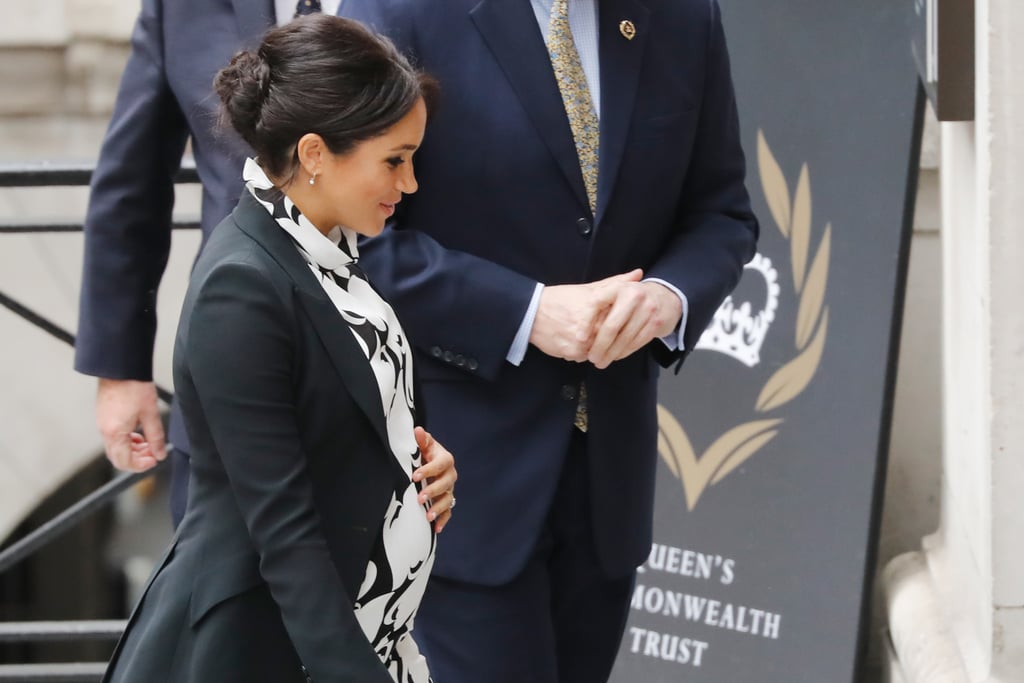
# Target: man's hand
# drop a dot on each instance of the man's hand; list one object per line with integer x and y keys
{"x": 569, "y": 316}
{"x": 122, "y": 405}
{"x": 641, "y": 312}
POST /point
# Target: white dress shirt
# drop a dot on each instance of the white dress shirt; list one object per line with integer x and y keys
{"x": 284, "y": 10}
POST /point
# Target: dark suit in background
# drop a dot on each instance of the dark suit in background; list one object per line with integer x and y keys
{"x": 535, "y": 574}
{"x": 165, "y": 99}
{"x": 291, "y": 477}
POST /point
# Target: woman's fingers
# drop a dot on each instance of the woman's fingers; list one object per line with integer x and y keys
{"x": 423, "y": 439}
{"x": 436, "y": 458}
{"x": 442, "y": 521}
{"x": 438, "y": 487}
{"x": 441, "y": 510}
{"x": 439, "y": 477}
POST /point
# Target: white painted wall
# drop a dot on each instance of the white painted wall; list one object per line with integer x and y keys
{"x": 973, "y": 566}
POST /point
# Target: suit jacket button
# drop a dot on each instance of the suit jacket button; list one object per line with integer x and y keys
{"x": 472, "y": 364}
{"x": 569, "y": 392}
{"x": 584, "y": 226}
{"x": 435, "y": 351}
{"x": 448, "y": 356}
{"x": 460, "y": 360}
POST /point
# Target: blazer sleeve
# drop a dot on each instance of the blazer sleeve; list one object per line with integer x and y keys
{"x": 128, "y": 221}
{"x": 716, "y": 230}
{"x": 240, "y": 353}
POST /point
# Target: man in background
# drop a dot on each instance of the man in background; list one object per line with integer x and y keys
{"x": 581, "y": 215}
{"x": 165, "y": 100}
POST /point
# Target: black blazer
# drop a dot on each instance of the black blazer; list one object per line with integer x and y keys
{"x": 291, "y": 478}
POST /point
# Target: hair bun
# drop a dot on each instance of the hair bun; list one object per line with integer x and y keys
{"x": 243, "y": 87}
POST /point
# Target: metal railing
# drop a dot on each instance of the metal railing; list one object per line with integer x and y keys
{"x": 35, "y": 631}
{"x": 66, "y": 175}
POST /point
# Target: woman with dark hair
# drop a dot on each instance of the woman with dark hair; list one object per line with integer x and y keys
{"x": 314, "y": 501}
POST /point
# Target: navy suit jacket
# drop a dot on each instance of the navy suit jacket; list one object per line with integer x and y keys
{"x": 502, "y": 206}
{"x": 165, "y": 99}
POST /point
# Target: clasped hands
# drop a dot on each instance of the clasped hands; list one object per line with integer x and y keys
{"x": 606, "y": 320}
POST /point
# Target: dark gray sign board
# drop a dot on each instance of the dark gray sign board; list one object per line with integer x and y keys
{"x": 774, "y": 434}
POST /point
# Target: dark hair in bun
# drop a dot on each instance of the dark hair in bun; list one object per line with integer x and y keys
{"x": 317, "y": 74}
{"x": 243, "y": 86}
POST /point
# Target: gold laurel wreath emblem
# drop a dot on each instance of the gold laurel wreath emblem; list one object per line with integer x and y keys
{"x": 734, "y": 447}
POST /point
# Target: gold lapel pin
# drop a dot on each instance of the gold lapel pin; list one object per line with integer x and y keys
{"x": 627, "y": 29}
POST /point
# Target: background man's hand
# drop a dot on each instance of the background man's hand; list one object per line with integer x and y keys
{"x": 569, "y": 316}
{"x": 641, "y": 312}
{"x": 122, "y": 406}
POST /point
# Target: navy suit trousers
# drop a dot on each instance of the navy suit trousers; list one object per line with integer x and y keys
{"x": 559, "y": 621}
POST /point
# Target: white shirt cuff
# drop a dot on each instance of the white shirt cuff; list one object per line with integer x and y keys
{"x": 522, "y": 340}
{"x": 674, "y": 340}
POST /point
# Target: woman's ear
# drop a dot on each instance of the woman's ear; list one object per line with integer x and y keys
{"x": 311, "y": 150}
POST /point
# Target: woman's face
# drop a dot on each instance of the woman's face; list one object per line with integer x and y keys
{"x": 361, "y": 188}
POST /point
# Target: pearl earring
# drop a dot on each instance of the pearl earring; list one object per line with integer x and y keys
{"x": 312, "y": 179}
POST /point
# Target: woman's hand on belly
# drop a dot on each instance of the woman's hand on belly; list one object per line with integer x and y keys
{"x": 438, "y": 473}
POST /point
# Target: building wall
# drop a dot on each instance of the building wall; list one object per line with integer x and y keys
{"x": 911, "y": 502}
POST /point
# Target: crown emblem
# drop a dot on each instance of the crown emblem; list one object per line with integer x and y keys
{"x": 735, "y": 330}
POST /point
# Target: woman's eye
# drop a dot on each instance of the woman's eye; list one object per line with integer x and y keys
{"x": 394, "y": 162}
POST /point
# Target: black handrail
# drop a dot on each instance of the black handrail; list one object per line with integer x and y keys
{"x": 72, "y": 515}
{"x": 53, "y": 673}
{"x": 35, "y": 631}
{"x": 43, "y": 323}
{"x": 35, "y": 228}
{"x": 47, "y": 174}
{"x": 55, "y": 330}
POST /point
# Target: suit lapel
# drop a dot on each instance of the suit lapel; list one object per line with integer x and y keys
{"x": 621, "y": 60}
{"x": 346, "y": 356}
{"x": 509, "y": 28}
{"x": 254, "y": 18}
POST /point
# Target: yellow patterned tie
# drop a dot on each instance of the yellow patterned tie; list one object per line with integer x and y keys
{"x": 579, "y": 107}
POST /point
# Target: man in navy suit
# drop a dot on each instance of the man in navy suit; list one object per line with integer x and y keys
{"x": 165, "y": 99}
{"x": 514, "y": 271}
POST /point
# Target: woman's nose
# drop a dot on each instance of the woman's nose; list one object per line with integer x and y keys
{"x": 407, "y": 181}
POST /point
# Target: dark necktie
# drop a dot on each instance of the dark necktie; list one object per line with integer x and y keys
{"x": 305, "y": 7}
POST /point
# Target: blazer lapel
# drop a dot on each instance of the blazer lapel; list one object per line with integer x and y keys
{"x": 348, "y": 359}
{"x": 346, "y": 356}
{"x": 254, "y": 18}
{"x": 621, "y": 60}
{"x": 509, "y": 28}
